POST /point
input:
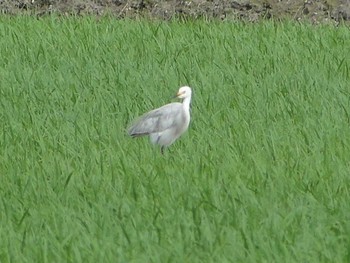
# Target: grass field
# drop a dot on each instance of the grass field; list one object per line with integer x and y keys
{"x": 262, "y": 175}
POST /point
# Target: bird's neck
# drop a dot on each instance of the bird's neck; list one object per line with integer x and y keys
{"x": 186, "y": 104}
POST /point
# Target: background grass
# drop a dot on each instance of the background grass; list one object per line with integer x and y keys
{"x": 261, "y": 176}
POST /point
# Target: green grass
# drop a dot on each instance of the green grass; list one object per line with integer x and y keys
{"x": 262, "y": 175}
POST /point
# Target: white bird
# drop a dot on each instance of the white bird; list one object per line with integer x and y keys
{"x": 167, "y": 123}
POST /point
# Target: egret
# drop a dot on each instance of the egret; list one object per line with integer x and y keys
{"x": 165, "y": 124}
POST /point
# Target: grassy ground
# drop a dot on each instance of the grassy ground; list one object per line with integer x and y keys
{"x": 261, "y": 176}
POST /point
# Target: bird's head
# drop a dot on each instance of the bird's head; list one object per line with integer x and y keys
{"x": 184, "y": 92}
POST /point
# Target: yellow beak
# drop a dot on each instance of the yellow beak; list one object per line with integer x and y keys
{"x": 178, "y": 94}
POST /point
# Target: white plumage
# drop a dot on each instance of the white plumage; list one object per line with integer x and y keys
{"x": 165, "y": 124}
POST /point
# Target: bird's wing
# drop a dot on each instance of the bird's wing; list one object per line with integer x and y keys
{"x": 157, "y": 120}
